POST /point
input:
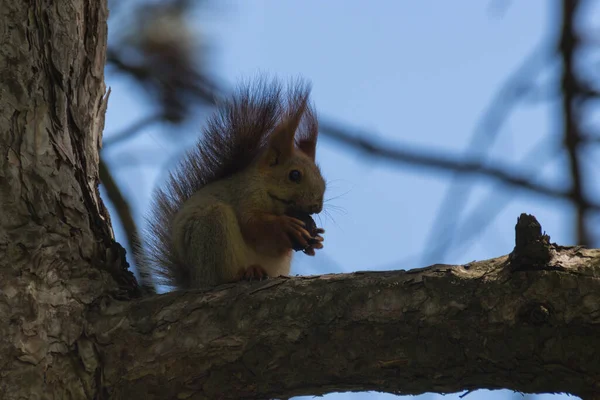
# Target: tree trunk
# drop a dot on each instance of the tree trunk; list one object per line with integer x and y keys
{"x": 72, "y": 327}
{"x": 57, "y": 253}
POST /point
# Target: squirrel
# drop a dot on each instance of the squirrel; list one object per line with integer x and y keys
{"x": 238, "y": 204}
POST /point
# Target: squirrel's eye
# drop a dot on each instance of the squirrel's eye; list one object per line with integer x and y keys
{"x": 295, "y": 175}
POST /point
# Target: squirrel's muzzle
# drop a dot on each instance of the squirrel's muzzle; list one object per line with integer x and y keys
{"x": 315, "y": 208}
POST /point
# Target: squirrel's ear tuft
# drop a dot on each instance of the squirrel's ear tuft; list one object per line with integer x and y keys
{"x": 306, "y": 138}
{"x": 281, "y": 142}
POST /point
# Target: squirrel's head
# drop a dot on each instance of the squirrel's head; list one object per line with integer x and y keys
{"x": 292, "y": 178}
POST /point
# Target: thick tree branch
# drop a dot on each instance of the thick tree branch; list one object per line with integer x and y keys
{"x": 528, "y": 322}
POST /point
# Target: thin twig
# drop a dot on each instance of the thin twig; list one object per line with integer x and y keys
{"x": 483, "y": 214}
{"x": 124, "y": 212}
{"x": 443, "y": 162}
{"x": 518, "y": 85}
{"x": 132, "y": 130}
{"x": 567, "y": 46}
{"x": 204, "y": 89}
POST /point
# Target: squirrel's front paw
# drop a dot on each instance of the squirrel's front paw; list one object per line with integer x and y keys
{"x": 295, "y": 229}
{"x": 316, "y": 242}
{"x": 277, "y": 234}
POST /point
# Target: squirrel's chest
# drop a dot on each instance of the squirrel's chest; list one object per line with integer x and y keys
{"x": 273, "y": 266}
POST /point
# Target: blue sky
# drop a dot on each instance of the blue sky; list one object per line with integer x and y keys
{"x": 409, "y": 73}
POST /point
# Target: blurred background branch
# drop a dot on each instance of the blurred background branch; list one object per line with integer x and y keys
{"x": 571, "y": 102}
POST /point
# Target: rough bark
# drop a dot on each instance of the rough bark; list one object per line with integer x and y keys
{"x": 528, "y": 321}
{"x": 57, "y": 254}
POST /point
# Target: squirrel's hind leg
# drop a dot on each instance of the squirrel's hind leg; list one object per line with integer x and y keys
{"x": 210, "y": 243}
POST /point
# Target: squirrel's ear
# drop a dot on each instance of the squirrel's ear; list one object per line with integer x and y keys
{"x": 281, "y": 143}
{"x": 306, "y": 139}
{"x": 308, "y": 147}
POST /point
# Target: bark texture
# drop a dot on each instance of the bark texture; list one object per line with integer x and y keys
{"x": 511, "y": 322}
{"x": 57, "y": 254}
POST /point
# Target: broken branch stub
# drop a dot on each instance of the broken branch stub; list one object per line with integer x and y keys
{"x": 532, "y": 247}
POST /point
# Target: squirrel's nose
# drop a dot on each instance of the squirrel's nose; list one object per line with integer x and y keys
{"x": 316, "y": 208}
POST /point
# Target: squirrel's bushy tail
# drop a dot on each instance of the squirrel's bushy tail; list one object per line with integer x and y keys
{"x": 234, "y": 136}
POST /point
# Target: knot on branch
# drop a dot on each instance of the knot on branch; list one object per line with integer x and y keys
{"x": 115, "y": 262}
{"x": 536, "y": 314}
{"x": 532, "y": 247}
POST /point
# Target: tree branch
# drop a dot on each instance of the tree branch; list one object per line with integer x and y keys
{"x": 511, "y": 322}
{"x": 209, "y": 92}
{"x": 445, "y": 162}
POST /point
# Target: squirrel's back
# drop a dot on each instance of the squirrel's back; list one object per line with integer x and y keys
{"x": 233, "y": 138}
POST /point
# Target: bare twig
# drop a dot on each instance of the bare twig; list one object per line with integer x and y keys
{"x": 518, "y": 85}
{"x": 443, "y": 162}
{"x": 484, "y": 213}
{"x": 132, "y": 130}
{"x": 124, "y": 212}
{"x": 203, "y": 88}
{"x": 567, "y": 45}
